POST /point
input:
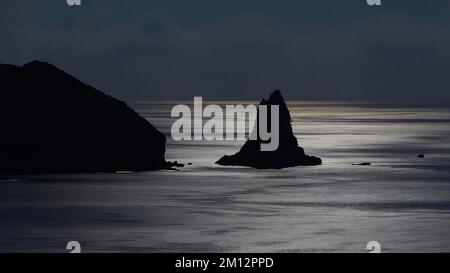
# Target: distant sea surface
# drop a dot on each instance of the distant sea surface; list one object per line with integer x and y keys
{"x": 401, "y": 201}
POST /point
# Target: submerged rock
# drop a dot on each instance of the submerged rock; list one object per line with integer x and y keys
{"x": 362, "y": 164}
{"x": 421, "y": 156}
{"x": 174, "y": 164}
{"x": 288, "y": 153}
{"x": 54, "y": 123}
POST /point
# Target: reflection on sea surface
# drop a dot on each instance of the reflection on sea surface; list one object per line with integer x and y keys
{"x": 401, "y": 201}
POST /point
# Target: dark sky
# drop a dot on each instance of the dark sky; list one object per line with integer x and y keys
{"x": 239, "y": 49}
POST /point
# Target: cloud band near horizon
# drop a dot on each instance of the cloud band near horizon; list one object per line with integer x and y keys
{"x": 239, "y": 49}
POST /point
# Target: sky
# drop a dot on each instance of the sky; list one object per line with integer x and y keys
{"x": 239, "y": 49}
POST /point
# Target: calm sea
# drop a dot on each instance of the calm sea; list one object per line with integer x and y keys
{"x": 401, "y": 201}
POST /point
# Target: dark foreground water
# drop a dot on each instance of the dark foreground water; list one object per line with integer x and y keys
{"x": 401, "y": 201}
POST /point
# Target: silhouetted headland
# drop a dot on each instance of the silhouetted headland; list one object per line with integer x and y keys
{"x": 53, "y": 123}
{"x": 288, "y": 154}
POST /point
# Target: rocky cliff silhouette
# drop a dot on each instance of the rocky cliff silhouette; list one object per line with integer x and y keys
{"x": 53, "y": 123}
{"x": 288, "y": 154}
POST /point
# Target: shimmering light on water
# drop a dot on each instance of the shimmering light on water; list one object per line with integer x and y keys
{"x": 401, "y": 201}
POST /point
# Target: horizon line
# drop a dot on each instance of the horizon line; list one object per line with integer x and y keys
{"x": 304, "y": 102}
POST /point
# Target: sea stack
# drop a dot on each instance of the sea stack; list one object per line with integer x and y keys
{"x": 53, "y": 123}
{"x": 288, "y": 154}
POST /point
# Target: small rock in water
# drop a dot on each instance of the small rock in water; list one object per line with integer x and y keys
{"x": 189, "y": 163}
{"x": 363, "y": 164}
{"x": 421, "y": 156}
{"x": 174, "y": 164}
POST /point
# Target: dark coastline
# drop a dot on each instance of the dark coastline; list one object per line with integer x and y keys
{"x": 54, "y": 123}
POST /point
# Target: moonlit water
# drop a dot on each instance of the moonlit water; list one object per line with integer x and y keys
{"x": 401, "y": 201}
